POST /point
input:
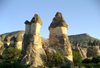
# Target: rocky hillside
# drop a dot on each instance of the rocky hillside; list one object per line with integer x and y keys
{"x": 15, "y": 33}
{"x": 82, "y": 38}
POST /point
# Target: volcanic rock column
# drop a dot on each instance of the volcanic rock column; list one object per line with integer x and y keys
{"x": 26, "y": 40}
{"x": 35, "y": 54}
{"x": 35, "y": 36}
{"x": 58, "y": 38}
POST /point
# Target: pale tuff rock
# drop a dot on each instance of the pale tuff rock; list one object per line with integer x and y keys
{"x": 3, "y": 37}
{"x": 34, "y": 57}
{"x": 94, "y": 50}
{"x": 27, "y": 27}
{"x": 33, "y": 52}
{"x": 1, "y": 47}
{"x": 58, "y": 38}
{"x": 18, "y": 43}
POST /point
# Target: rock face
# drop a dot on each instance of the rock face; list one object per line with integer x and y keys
{"x": 18, "y": 43}
{"x": 34, "y": 57}
{"x": 1, "y": 47}
{"x": 82, "y": 51}
{"x": 33, "y": 52}
{"x": 6, "y": 42}
{"x": 58, "y": 38}
{"x": 12, "y": 41}
{"x": 93, "y": 51}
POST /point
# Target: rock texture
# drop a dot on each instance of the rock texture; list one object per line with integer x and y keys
{"x": 82, "y": 38}
{"x": 58, "y": 21}
{"x": 1, "y": 47}
{"x": 33, "y": 52}
{"x": 93, "y": 51}
{"x": 58, "y": 38}
{"x": 34, "y": 57}
{"x": 18, "y": 43}
{"x": 6, "y": 42}
{"x": 82, "y": 51}
{"x": 14, "y": 34}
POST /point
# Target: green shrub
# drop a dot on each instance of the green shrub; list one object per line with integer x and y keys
{"x": 96, "y": 59}
{"x": 12, "y": 54}
{"x": 54, "y": 59}
{"x": 77, "y": 58}
{"x": 66, "y": 66}
{"x": 12, "y": 65}
{"x": 1, "y": 57}
{"x": 86, "y": 61}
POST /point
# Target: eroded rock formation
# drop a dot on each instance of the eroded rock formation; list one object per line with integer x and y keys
{"x": 33, "y": 52}
{"x": 58, "y": 38}
{"x": 1, "y": 46}
{"x": 18, "y": 43}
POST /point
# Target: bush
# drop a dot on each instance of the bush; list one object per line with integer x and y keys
{"x": 1, "y": 57}
{"x": 96, "y": 59}
{"x": 77, "y": 58}
{"x": 54, "y": 59}
{"x": 12, "y": 65}
{"x": 12, "y": 54}
{"x": 86, "y": 61}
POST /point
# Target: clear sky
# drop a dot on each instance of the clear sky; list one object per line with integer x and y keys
{"x": 82, "y": 16}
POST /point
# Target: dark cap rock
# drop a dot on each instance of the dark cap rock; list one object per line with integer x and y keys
{"x": 27, "y": 22}
{"x": 36, "y": 19}
{"x": 58, "y": 21}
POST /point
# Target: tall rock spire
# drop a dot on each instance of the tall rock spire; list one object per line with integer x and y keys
{"x": 58, "y": 38}
{"x": 34, "y": 54}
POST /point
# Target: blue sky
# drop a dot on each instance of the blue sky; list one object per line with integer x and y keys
{"x": 82, "y": 16}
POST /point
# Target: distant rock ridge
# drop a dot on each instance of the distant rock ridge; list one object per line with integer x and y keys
{"x": 80, "y": 34}
{"x": 81, "y": 37}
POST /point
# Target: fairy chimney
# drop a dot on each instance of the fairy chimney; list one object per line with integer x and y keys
{"x": 34, "y": 54}
{"x": 18, "y": 43}
{"x": 58, "y": 38}
{"x": 35, "y": 36}
{"x": 27, "y": 27}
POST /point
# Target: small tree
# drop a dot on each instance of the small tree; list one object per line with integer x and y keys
{"x": 55, "y": 58}
{"x": 77, "y": 58}
{"x": 12, "y": 54}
